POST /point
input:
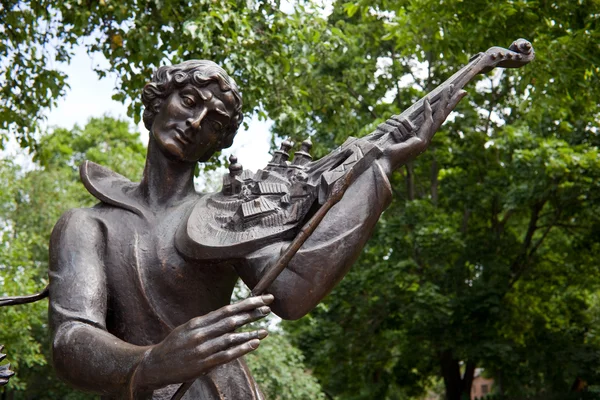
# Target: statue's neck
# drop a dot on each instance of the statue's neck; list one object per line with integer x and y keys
{"x": 165, "y": 181}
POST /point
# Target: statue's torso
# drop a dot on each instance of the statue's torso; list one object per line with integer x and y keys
{"x": 152, "y": 289}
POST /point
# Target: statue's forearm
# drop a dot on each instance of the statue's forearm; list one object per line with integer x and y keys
{"x": 93, "y": 360}
{"x": 329, "y": 252}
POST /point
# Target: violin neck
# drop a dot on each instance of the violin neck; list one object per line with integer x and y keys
{"x": 460, "y": 79}
{"x": 518, "y": 54}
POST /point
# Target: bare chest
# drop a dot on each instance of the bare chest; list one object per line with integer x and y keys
{"x": 150, "y": 282}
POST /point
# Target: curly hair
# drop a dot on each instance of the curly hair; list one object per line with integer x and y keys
{"x": 200, "y": 73}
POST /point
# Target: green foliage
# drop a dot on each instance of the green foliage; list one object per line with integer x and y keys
{"x": 28, "y": 83}
{"x": 30, "y": 204}
{"x": 252, "y": 39}
{"x": 488, "y": 255}
{"x": 279, "y": 369}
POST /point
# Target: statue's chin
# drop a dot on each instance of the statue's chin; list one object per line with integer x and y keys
{"x": 174, "y": 153}
{"x": 206, "y": 157}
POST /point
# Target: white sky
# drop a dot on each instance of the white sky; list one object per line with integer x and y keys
{"x": 91, "y": 96}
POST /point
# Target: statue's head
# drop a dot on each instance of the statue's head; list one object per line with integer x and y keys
{"x": 192, "y": 109}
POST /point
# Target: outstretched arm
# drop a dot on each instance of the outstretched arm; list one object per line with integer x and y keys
{"x": 333, "y": 247}
{"x": 328, "y": 253}
{"x": 400, "y": 139}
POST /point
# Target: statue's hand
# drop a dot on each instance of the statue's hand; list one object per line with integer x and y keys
{"x": 412, "y": 140}
{"x": 201, "y": 344}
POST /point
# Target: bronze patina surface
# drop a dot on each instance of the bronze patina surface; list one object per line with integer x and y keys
{"x": 5, "y": 372}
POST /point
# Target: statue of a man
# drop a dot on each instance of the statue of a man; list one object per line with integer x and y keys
{"x": 138, "y": 305}
{"x": 133, "y": 317}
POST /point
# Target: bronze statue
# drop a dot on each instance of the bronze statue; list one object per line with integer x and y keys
{"x": 5, "y": 372}
{"x": 140, "y": 285}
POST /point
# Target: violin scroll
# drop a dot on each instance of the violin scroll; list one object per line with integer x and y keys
{"x": 518, "y": 54}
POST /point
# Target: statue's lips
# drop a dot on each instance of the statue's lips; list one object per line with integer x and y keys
{"x": 180, "y": 136}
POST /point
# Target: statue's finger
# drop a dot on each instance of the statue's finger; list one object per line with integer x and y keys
{"x": 389, "y": 126}
{"x": 229, "y": 340}
{"x": 427, "y": 109}
{"x": 445, "y": 98}
{"x": 231, "y": 309}
{"x": 450, "y": 97}
{"x": 408, "y": 125}
{"x": 442, "y": 111}
{"x": 249, "y": 304}
{"x": 231, "y": 354}
{"x": 400, "y": 122}
{"x": 233, "y": 322}
{"x": 403, "y": 129}
{"x": 395, "y": 121}
{"x": 425, "y": 132}
{"x": 458, "y": 96}
{"x": 441, "y": 114}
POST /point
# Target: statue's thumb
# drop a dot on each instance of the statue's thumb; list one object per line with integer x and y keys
{"x": 458, "y": 96}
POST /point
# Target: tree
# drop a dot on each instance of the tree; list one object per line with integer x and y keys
{"x": 506, "y": 196}
{"x": 251, "y": 39}
{"x": 279, "y": 368}
{"x": 480, "y": 260}
{"x": 30, "y": 204}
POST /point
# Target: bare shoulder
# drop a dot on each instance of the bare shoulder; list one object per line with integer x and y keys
{"x": 77, "y": 230}
{"x": 77, "y": 219}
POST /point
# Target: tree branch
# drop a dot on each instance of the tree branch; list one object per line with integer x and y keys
{"x": 419, "y": 86}
{"x": 429, "y": 57}
{"x": 361, "y": 100}
{"x": 519, "y": 265}
{"x": 546, "y": 231}
{"x": 492, "y": 102}
{"x": 504, "y": 220}
{"x": 465, "y": 220}
{"x": 535, "y": 213}
{"x": 569, "y": 226}
{"x": 395, "y": 78}
{"x": 435, "y": 169}
{"x": 410, "y": 181}
{"x": 494, "y": 215}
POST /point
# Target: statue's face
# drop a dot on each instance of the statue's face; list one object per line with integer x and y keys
{"x": 189, "y": 125}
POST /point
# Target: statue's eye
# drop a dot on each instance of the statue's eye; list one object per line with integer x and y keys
{"x": 217, "y": 126}
{"x": 188, "y": 101}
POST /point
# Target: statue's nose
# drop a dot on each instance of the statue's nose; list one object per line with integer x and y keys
{"x": 195, "y": 121}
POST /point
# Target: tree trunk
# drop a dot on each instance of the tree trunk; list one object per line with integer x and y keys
{"x": 410, "y": 182}
{"x": 467, "y": 381}
{"x": 435, "y": 170}
{"x": 451, "y": 375}
{"x": 457, "y": 387}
